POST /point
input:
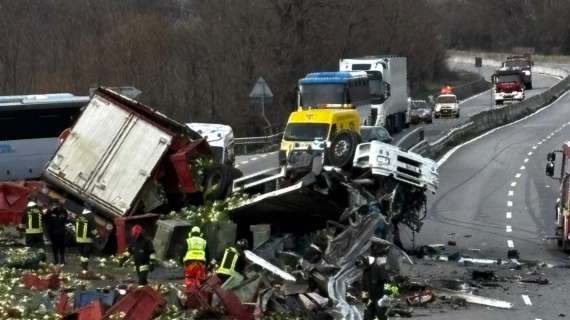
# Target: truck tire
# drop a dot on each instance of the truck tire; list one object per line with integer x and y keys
{"x": 342, "y": 149}
{"x": 217, "y": 183}
{"x": 528, "y": 86}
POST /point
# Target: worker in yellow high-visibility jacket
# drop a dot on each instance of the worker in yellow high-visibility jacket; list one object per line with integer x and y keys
{"x": 233, "y": 260}
{"x": 32, "y": 223}
{"x": 195, "y": 258}
{"x": 85, "y": 232}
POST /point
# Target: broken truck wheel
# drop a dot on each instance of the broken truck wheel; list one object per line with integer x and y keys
{"x": 342, "y": 149}
{"x": 217, "y": 183}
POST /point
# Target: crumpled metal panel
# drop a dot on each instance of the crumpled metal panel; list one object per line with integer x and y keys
{"x": 343, "y": 251}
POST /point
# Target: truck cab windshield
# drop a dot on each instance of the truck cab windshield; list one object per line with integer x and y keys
{"x": 320, "y": 94}
{"x": 306, "y": 131}
{"x": 446, "y": 99}
{"x": 508, "y": 78}
{"x": 517, "y": 64}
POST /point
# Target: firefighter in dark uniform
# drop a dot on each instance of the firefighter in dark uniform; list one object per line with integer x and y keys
{"x": 32, "y": 223}
{"x": 233, "y": 260}
{"x": 55, "y": 220}
{"x": 142, "y": 250}
{"x": 85, "y": 232}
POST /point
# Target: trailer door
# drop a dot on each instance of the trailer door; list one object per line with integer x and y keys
{"x": 89, "y": 142}
{"x": 123, "y": 174}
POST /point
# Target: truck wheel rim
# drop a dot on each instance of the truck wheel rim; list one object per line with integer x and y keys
{"x": 341, "y": 148}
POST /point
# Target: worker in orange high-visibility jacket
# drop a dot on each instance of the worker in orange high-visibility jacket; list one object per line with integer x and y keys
{"x": 195, "y": 258}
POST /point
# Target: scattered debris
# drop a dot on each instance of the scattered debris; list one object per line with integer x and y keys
{"x": 471, "y": 298}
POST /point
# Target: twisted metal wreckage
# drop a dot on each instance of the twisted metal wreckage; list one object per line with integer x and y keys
{"x": 366, "y": 200}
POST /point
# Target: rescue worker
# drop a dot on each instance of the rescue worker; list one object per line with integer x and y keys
{"x": 233, "y": 260}
{"x": 142, "y": 250}
{"x": 85, "y": 231}
{"x": 33, "y": 225}
{"x": 195, "y": 258}
{"x": 56, "y": 218}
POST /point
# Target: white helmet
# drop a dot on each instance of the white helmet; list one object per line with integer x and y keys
{"x": 86, "y": 211}
{"x": 31, "y": 204}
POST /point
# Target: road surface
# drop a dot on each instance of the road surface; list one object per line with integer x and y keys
{"x": 494, "y": 196}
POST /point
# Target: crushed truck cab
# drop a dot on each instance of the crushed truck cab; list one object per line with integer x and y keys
{"x": 390, "y": 161}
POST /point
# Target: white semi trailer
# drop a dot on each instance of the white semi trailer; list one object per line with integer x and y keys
{"x": 388, "y": 82}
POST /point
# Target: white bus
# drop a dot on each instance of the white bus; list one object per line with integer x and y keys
{"x": 30, "y": 126}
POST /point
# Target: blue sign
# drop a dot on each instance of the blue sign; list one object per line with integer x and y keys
{"x": 6, "y": 148}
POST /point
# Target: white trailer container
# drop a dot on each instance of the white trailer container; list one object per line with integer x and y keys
{"x": 388, "y": 82}
{"x": 124, "y": 158}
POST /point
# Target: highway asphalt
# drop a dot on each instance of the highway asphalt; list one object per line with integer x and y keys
{"x": 494, "y": 197}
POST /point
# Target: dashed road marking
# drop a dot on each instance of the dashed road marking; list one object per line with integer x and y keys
{"x": 526, "y": 160}
{"x": 264, "y": 156}
{"x": 534, "y": 147}
{"x": 518, "y": 175}
{"x": 509, "y": 203}
{"x": 526, "y": 300}
{"x": 513, "y": 184}
{"x": 245, "y": 162}
{"x": 523, "y": 167}
{"x": 530, "y": 153}
{"x": 509, "y": 215}
{"x": 511, "y": 193}
{"x": 509, "y": 229}
{"x": 254, "y": 158}
{"x": 510, "y": 243}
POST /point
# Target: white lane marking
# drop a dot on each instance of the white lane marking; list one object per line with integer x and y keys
{"x": 509, "y": 203}
{"x": 254, "y": 158}
{"x": 526, "y": 300}
{"x": 510, "y": 244}
{"x": 534, "y": 147}
{"x": 523, "y": 167}
{"x": 452, "y": 151}
{"x": 526, "y": 160}
{"x": 509, "y": 215}
{"x": 539, "y": 143}
{"x": 513, "y": 184}
{"x": 518, "y": 175}
{"x": 245, "y": 162}
{"x": 511, "y": 193}
{"x": 264, "y": 156}
{"x": 509, "y": 229}
{"x": 237, "y": 165}
{"x": 530, "y": 153}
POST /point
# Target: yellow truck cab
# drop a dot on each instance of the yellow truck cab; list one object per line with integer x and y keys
{"x": 306, "y": 125}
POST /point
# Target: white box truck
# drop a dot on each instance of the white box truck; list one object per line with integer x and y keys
{"x": 388, "y": 81}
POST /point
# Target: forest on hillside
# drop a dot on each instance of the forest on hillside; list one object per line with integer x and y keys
{"x": 197, "y": 60}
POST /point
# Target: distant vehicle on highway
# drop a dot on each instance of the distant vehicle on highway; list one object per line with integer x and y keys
{"x": 522, "y": 63}
{"x": 420, "y": 111}
{"x": 29, "y": 129}
{"x": 508, "y": 85}
{"x": 377, "y": 133}
{"x": 446, "y": 105}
